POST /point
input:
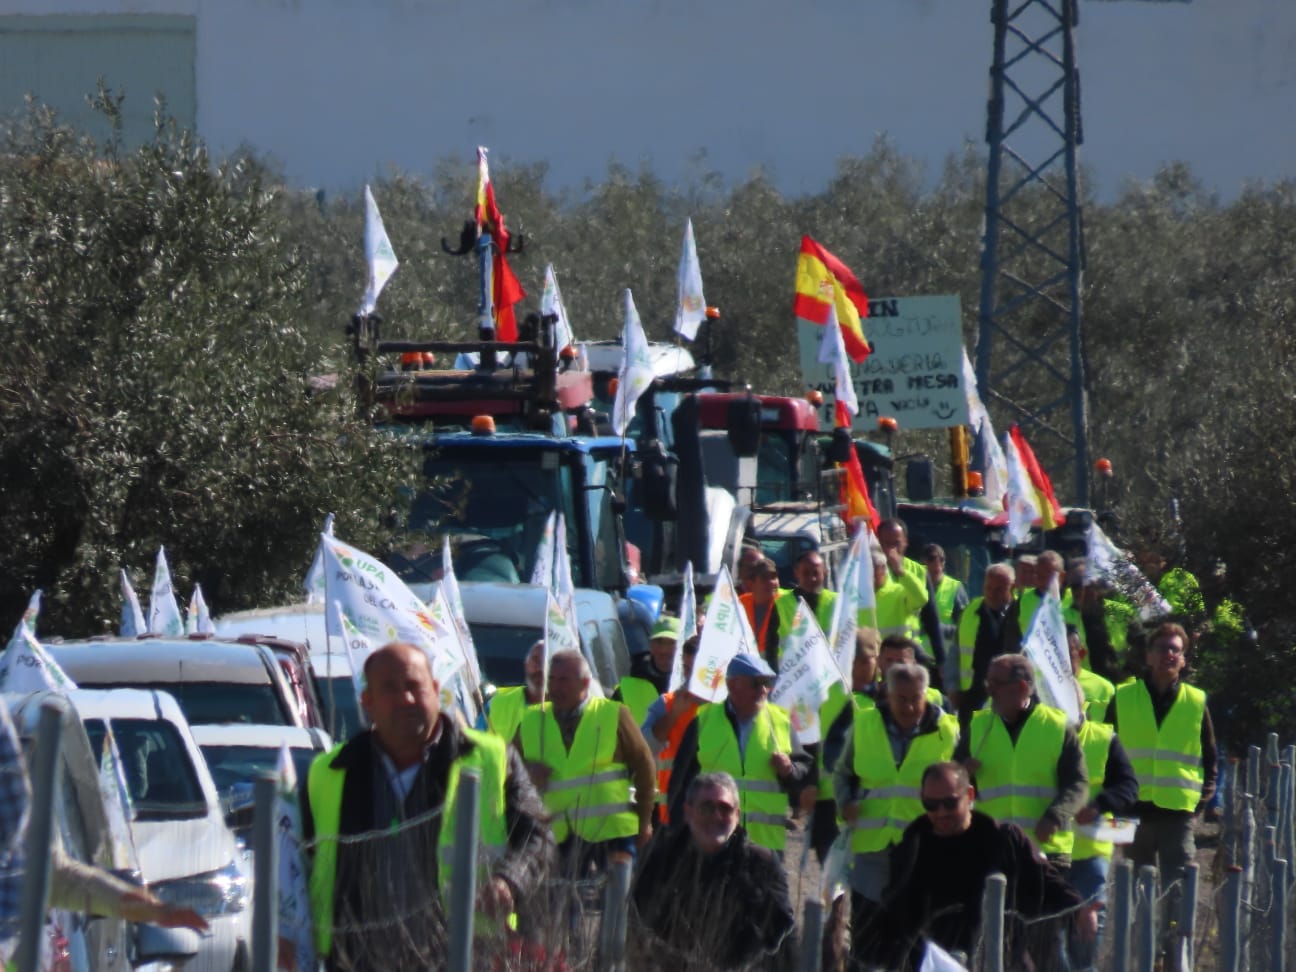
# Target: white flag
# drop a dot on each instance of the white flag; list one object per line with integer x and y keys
{"x": 551, "y": 302}
{"x": 132, "y": 615}
{"x": 563, "y": 587}
{"x": 832, "y": 350}
{"x": 560, "y": 634}
{"x": 636, "y": 369}
{"x": 313, "y": 583}
{"x": 543, "y": 571}
{"x": 691, "y": 309}
{"x": 1023, "y": 507}
{"x": 379, "y": 255}
{"x": 994, "y": 480}
{"x": 118, "y": 807}
{"x": 725, "y": 634}
{"x": 936, "y": 959}
{"x": 198, "y": 620}
{"x": 26, "y": 667}
{"x": 383, "y": 609}
{"x": 356, "y": 647}
{"x": 1045, "y": 644}
{"x": 454, "y": 599}
{"x": 164, "y": 611}
{"x": 687, "y": 629}
{"x": 295, "y": 931}
{"x": 806, "y": 673}
{"x": 850, "y": 600}
{"x": 1105, "y": 560}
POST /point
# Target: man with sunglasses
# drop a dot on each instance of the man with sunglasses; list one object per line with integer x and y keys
{"x": 705, "y": 894}
{"x": 751, "y": 739}
{"x": 939, "y": 870}
{"x": 1167, "y": 731}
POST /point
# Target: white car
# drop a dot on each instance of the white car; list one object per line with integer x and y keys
{"x": 188, "y": 855}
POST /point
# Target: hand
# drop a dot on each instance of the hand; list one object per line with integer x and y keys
{"x": 955, "y": 697}
{"x": 1045, "y": 829}
{"x": 539, "y": 773}
{"x": 495, "y": 898}
{"x": 1086, "y": 921}
{"x": 1087, "y": 814}
{"x": 851, "y": 812}
{"x": 782, "y": 764}
{"x": 895, "y": 562}
{"x": 971, "y": 764}
{"x": 142, "y": 907}
{"x": 809, "y": 796}
{"x": 645, "y": 835}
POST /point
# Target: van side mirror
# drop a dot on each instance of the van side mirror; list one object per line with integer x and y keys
{"x": 154, "y": 944}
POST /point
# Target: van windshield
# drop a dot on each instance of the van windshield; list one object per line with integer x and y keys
{"x": 160, "y": 776}
{"x": 220, "y": 703}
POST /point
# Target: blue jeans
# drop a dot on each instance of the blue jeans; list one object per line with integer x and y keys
{"x": 1089, "y": 878}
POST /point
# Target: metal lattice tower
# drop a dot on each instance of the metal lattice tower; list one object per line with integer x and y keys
{"x": 1030, "y": 347}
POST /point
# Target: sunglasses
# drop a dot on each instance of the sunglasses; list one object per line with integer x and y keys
{"x": 717, "y": 808}
{"x": 940, "y": 803}
{"x": 764, "y": 683}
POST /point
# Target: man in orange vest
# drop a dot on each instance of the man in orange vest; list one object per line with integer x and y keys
{"x": 664, "y": 726}
{"x": 761, "y": 590}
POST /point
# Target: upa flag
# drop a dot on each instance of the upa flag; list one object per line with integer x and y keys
{"x": 379, "y": 255}
{"x": 724, "y": 634}
{"x": 994, "y": 466}
{"x": 132, "y": 615}
{"x": 506, "y": 290}
{"x": 164, "y": 610}
{"x": 357, "y": 648}
{"x": 688, "y": 628}
{"x": 850, "y": 601}
{"x": 543, "y": 571}
{"x": 1045, "y": 644}
{"x": 198, "y": 619}
{"x": 806, "y": 673}
{"x": 551, "y": 303}
{"x": 296, "y": 946}
{"x": 690, "y": 311}
{"x": 560, "y": 634}
{"x": 117, "y": 804}
{"x": 636, "y": 369}
{"x": 449, "y": 586}
{"x": 1020, "y": 497}
{"x": 26, "y": 667}
{"x": 822, "y": 283}
{"x": 313, "y": 582}
{"x": 1050, "y": 512}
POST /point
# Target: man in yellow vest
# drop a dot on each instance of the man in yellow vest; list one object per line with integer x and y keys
{"x": 951, "y": 595}
{"x": 989, "y": 627}
{"x": 592, "y": 766}
{"x": 877, "y": 782}
{"x": 810, "y": 575}
{"x": 898, "y": 597}
{"x": 1168, "y": 734}
{"x": 893, "y": 538}
{"x": 504, "y": 709}
{"x": 379, "y": 812}
{"x": 750, "y": 739}
{"x": 650, "y": 672}
{"x": 1097, "y": 691}
{"x": 1049, "y": 565}
{"x": 899, "y": 650}
{"x": 1113, "y": 789}
{"x": 1027, "y": 762}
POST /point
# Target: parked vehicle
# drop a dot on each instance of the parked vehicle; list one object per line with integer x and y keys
{"x": 213, "y": 681}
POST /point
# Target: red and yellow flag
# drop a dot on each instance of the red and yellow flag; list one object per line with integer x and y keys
{"x": 823, "y": 281}
{"x": 506, "y": 289}
{"x": 855, "y": 494}
{"x": 1050, "y": 512}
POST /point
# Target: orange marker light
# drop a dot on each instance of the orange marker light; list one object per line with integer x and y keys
{"x": 1104, "y": 467}
{"x": 483, "y": 425}
{"x": 814, "y": 397}
{"x": 887, "y": 424}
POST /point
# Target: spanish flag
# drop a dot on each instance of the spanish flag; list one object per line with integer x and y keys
{"x": 506, "y": 289}
{"x": 855, "y": 494}
{"x": 1050, "y": 512}
{"x": 823, "y": 281}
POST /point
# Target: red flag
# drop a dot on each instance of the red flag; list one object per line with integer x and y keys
{"x": 855, "y": 494}
{"x": 1051, "y": 512}
{"x": 506, "y": 290}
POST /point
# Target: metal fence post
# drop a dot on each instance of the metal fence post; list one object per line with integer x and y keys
{"x": 1278, "y": 922}
{"x": 992, "y": 923}
{"x": 40, "y": 834}
{"x": 1230, "y": 957}
{"x": 1271, "y": 765}
{"x": 1145, "y": 960}
{"x": 812, "y": 936}
{"x": 612, "y": 929}
{"x": 1122, "y": 918}
{"x": 1253, "y": 770}
{"x": 265, "y": 900}
{"x": 1188, "y": 915}
{"x": 463, "y": 871}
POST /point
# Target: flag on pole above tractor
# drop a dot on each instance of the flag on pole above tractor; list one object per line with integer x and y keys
{"x": 822, "y": 283}
{"x": 506, "y": 289}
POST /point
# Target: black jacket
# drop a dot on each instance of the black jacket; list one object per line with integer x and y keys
{"x": 716, "y": 912}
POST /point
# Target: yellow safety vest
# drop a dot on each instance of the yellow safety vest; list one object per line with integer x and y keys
{"x": 1016, "y": 783}
{"x": 761, "y": 796}
{"x": 786, "y": 605}
{"x": 1167, "y": 759}
{"x": 1098, "y": 693}
{"x": 893, "y": 799}
{"x": 505, "y": 712}
{"x": 968, "y": 626}
{"x": 1095, "y": 740}
{"x": 636, "y": 695}
{"x": 588, "y": 792}
{"x": 324, "y": 786}
{"x": 828, "y": 713}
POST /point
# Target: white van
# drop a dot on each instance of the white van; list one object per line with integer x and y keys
{"x": 188, "y": 856}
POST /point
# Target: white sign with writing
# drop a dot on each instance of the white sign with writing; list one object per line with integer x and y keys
{"x": 915, "y": 372}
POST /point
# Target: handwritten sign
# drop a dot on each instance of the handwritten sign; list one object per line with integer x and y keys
{"x": 915, "y": 373}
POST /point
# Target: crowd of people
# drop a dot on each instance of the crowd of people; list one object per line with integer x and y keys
{"x": 938, "y": 768}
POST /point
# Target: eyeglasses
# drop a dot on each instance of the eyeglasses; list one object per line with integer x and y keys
{"x": 763, "y": 683}
{"x": 931, "y": 805}
{"x": 717, "y": 808}
{"x": 1000, "y": 682}
{"x": 1166, "y": 648}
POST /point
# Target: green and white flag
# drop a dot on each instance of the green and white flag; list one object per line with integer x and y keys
{"x": 806, "y": 673}
{"x": 379, "y": 255}
{"x": 132, "y": 615}
{"x": 26, "y": 667}
{"x": 118, "y": 807}
{"x": 636, "y": 372}
{"x": 690, "y": 309}
{"x": 313, "y": 582}
{"x": 296, "y": 937}
{"x": 164, "y": 611}
{"x": 1045, "y": 644}
{"x": 688, "y": 628}
{"x": 357, "y": 648}
{"x": 198, "y": 618}
{"x": 551, "y": 302}
{"x": 725, "y": 634}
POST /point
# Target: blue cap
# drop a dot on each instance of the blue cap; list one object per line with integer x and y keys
{"x": 752, "y": 665}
